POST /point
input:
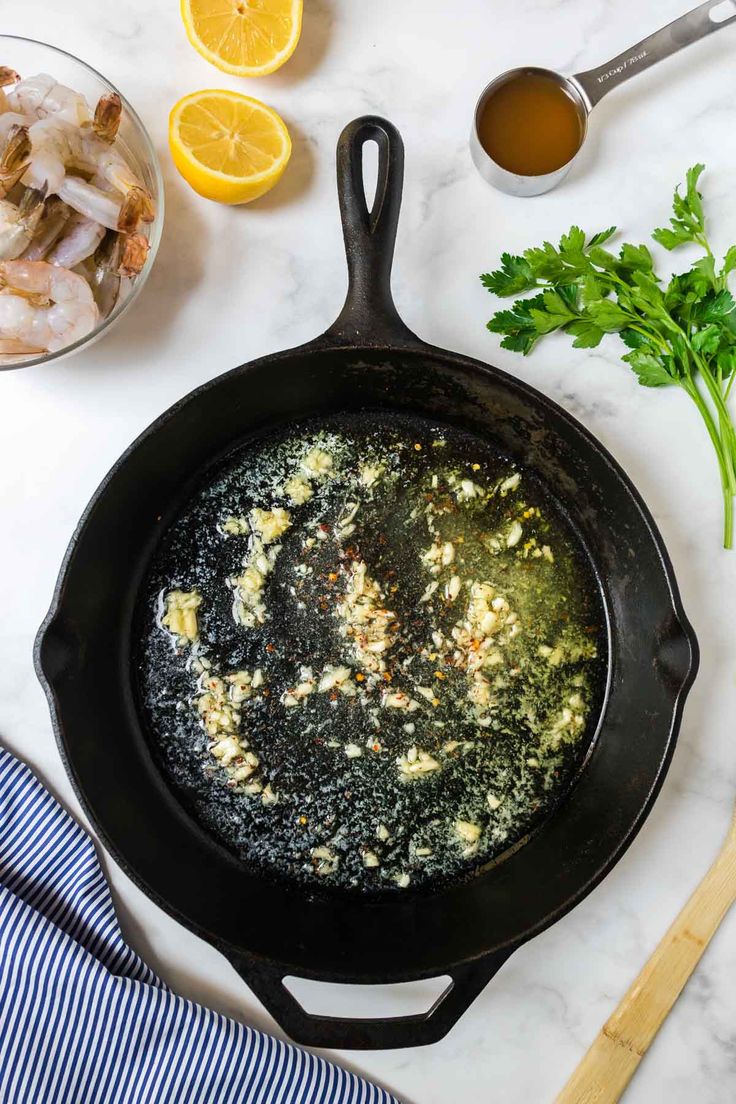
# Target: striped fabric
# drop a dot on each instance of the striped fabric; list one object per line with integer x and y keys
{"x": 84, "y": 1021}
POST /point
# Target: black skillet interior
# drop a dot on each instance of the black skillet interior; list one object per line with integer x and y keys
{"x": 367, "y": 360}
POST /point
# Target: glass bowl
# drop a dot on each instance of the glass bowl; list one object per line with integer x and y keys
{"x": 29, "y": 57}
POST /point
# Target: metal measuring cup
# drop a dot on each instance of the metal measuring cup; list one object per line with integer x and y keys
{"x": 588, "y": 88}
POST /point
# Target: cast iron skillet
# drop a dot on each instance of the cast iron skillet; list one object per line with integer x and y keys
{"x": 367, "y": 360}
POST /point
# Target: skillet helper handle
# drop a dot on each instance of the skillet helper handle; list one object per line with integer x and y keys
{"x": 689, "y": 28}
{"x": 369, "y": 316}
{"x": 614, "y": 1056}
{"x": 266, "y": 980}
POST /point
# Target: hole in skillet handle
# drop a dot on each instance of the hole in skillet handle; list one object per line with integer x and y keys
{"x": 369, "y": 316}
{"x": 466, "y": 982}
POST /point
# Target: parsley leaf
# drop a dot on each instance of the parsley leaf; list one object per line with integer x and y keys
{"x": 514, "y": 276}
{"x": 602, "y": 236}
{"x": 650, "y": 370}
{"x": 688, "y": 220}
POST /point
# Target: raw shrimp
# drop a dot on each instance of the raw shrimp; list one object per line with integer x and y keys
{"x": 112, "y": 167}
{"x": 106, "y": 208}
{"x": 55, "y": 216}
{"x": 43, "y": 96}
{"x": 18, "y": 223}
{"x": 54, "y": 144}
{"x": 79, "y": 240}
{"x": 69, "y": 312}
{"x": 108, "y": 113}
{"x": 58, "y": 147}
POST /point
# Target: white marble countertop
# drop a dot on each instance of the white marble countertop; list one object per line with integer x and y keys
{"x": 231, "y": 284}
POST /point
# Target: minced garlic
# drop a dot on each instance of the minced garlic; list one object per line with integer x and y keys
{"x": 510, "y": 484}
{"x": 337, "y": 678}
{"x": 318, "y": 463}
{"x": 235, "y": 526}
{"x": 366, "y": 622}
{"x": 249, "y": 608}
{"x": 270, "y": 524}
{"x": 303, "y": 688}
{"x": 324, "y": 861}
{"x": 298, "y": 489}
{"x": 416, "y": 762}
{"x": 370, "y": 474}
{"x": 514, "y": 534}
{"x": 488, "y": 620}
{"x": 180, "y": 613}
{"x": 467, "y": 831}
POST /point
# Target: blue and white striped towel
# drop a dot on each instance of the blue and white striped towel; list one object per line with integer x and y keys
{"x": 84, "y": 1021}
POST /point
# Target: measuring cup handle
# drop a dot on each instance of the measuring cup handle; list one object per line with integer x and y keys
{"x": 696, "y": 24}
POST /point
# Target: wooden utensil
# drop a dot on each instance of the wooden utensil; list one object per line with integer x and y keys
{"x": 614, "y": 1056}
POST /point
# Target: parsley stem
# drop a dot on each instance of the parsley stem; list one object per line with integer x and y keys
{"x": 724, "y": 416}
{"x": 726, "y": 468}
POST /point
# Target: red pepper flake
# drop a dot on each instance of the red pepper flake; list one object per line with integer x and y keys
{"x": 332, "y": 576}
{"x": 270, "y": 647}
{"x": 376, "y": 747}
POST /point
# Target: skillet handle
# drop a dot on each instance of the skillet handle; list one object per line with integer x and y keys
{"x": 266, "y": 980}
{"x": 369, "y": 316}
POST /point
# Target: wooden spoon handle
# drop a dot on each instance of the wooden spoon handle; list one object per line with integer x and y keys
{"x": 614, "y": 1056}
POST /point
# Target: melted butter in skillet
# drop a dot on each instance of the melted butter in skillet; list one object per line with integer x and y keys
{"x": 370, "y": 658}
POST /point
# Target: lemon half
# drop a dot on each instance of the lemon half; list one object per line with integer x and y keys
{"x": 228, "y": 147}
{"x": 248, "y": 38}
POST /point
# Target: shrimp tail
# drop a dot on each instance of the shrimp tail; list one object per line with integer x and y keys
{"x": 31, "y": 206}
{"x": 8, "y": 76}
{"x": 134, "y": 255}
{"x": 11, "y": 346}
{"x": 15, "y": 158}
{"x": 107, "y": 117}
{"x": 123, "y": 254}
{"x": 48, "y": 231}
{"x": 137, "y": 207}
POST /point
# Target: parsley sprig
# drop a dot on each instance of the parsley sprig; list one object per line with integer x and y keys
{"x": 683, "y": 333}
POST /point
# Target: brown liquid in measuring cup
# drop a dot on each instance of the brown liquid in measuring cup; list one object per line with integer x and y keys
{"x": 530, "y": 126}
